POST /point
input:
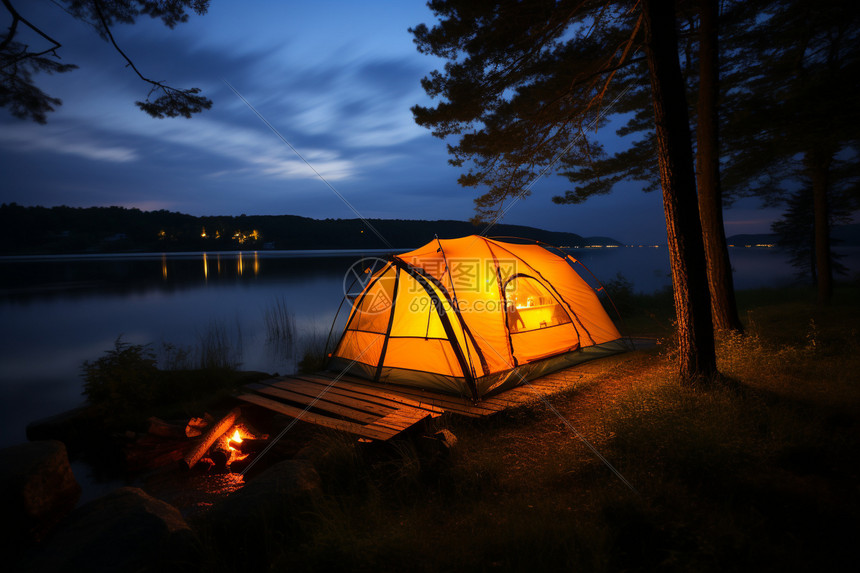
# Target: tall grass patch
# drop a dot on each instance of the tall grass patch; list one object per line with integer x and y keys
{"x": 280, "y": 323}
{"x": 218, "y": 347}
{"x": 311, "y": 352}
{"x": 801, "y": 352}
{"x": 132, "y": 382}
{"x": 661, "y": 430}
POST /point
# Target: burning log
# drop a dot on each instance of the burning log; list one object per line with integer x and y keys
{"x": 159, "y": 427}
{"x": 221, "y": 454}
{"x": 196, "y": 426}
{"x": 236, "y": 447}
{"x": 215, "y": 431}
{"x": 250, "y": 445}
{"x": 150, "y": 452}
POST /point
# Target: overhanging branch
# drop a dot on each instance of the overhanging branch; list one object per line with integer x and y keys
{"x": 13, "y": 29}
{"x": 16, "y": 17}
{"x": 175, "y": 101}
{"x": 107, "y": 31}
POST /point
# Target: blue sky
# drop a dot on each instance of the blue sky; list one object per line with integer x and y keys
{"x": 336, "y": 79}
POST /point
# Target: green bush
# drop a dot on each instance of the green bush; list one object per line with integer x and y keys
{"x": 619, "y": 291}
{"x": 126, "y": 385}
{"x": 122, "y": 381}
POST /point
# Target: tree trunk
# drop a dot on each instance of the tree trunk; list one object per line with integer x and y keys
{"x": 813, "y": 274}
{"x": 697, "y": 358}
{"x": 723, "y": 306}
{"x": 818, "y": 164}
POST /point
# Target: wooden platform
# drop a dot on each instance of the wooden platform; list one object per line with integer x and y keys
{"x": 382, "y": 411}
{"x": 336, "y": 404}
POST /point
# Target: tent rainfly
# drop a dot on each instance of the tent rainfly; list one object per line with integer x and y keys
{"x": 473, "y": 315}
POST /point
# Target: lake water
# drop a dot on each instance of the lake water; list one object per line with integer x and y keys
{"x": 57, "y": 312}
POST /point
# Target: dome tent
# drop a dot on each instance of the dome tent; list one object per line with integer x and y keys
{"x": 472, "y": 315}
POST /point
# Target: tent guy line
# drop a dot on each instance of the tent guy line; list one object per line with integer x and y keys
{"x": 318, "y": 174}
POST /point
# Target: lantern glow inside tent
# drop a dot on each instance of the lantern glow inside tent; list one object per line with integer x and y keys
{"x": 473, "y": 315}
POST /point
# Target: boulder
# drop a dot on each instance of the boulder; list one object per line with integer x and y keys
{"x": 282, "y": 487}
{"x": 37, "y": 488}
{"x": 126, "y": 530}
{"x": 435, "y": 449}
{"x": 76, "y": 428}
{"x": 270, "y": 505}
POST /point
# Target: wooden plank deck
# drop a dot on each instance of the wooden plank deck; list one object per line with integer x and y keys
{"x": 368, "y": 412}
{"x": 382, "y": 411}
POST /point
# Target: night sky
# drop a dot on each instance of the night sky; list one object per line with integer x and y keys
{"x": 337, "y": 79}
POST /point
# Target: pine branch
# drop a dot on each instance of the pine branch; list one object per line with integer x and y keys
{"x": 16, "y": 17}
{"x": 174, "y": 102}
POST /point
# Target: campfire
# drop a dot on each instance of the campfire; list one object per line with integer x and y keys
{"x": 235, "y": 445}
{"x": 225, "y": 442}
{"x": 223, "y": 445}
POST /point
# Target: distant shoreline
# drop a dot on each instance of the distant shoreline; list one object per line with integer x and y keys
{"x": 43, "y": 230}
{"x": 272, "y": 253}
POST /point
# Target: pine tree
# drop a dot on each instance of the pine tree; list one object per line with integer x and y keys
{"x": 700, "y": 21}
{"x": 795, "y": 231}
{"x": 793, "y": 109}
{"x": 524, "y": 82}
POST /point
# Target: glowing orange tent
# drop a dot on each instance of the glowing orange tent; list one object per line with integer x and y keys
{"x": 472, "y": 315}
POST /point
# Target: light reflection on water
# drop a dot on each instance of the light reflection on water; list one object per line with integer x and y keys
{"x": 57, "y": 312}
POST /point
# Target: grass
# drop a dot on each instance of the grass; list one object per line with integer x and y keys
{"x": 312, "y": 350}
{"x": 280, "y": 323}
{"x": 306, "y": 349}
{"x": 132, "y": 382}
{"x": 760, "y": 475}
{"x": 217, "y": 348}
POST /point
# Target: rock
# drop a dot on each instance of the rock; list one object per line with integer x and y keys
{"x": 283, "y": 486}
{"x": 76, "y": 428}
{"x": 447, "y": 437}
{"x": 272, "y": 503}
{"x": 436, "y": 448}
{"x": 126, "y": 530}
{"x": 37, "y": 488}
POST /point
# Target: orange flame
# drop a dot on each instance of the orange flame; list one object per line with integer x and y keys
{"x": 236, "y": 437}
{"x": 235, "y": 455}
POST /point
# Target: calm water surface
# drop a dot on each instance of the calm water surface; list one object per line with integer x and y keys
{"x": 57, "y": 312}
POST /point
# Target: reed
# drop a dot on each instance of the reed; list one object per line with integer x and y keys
{"x": 217, "y": 349}
{"x": 280, "y": 323}
{"x": 312, "y": 349}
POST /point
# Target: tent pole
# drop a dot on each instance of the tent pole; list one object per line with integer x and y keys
{"x": 456, "y": 304}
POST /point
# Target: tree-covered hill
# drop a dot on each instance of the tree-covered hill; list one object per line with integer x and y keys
{"x": 841, "y": 235}
{"x": 37, "y": 230}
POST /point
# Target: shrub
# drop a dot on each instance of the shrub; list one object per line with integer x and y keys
{"x": 620, "y": 292}
{"x": 122, "y": 381}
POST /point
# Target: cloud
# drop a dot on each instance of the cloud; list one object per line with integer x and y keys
{"x": 354, "y": 101}
{"x": 58, "y": 140}
{"x": 345, "y": 109}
